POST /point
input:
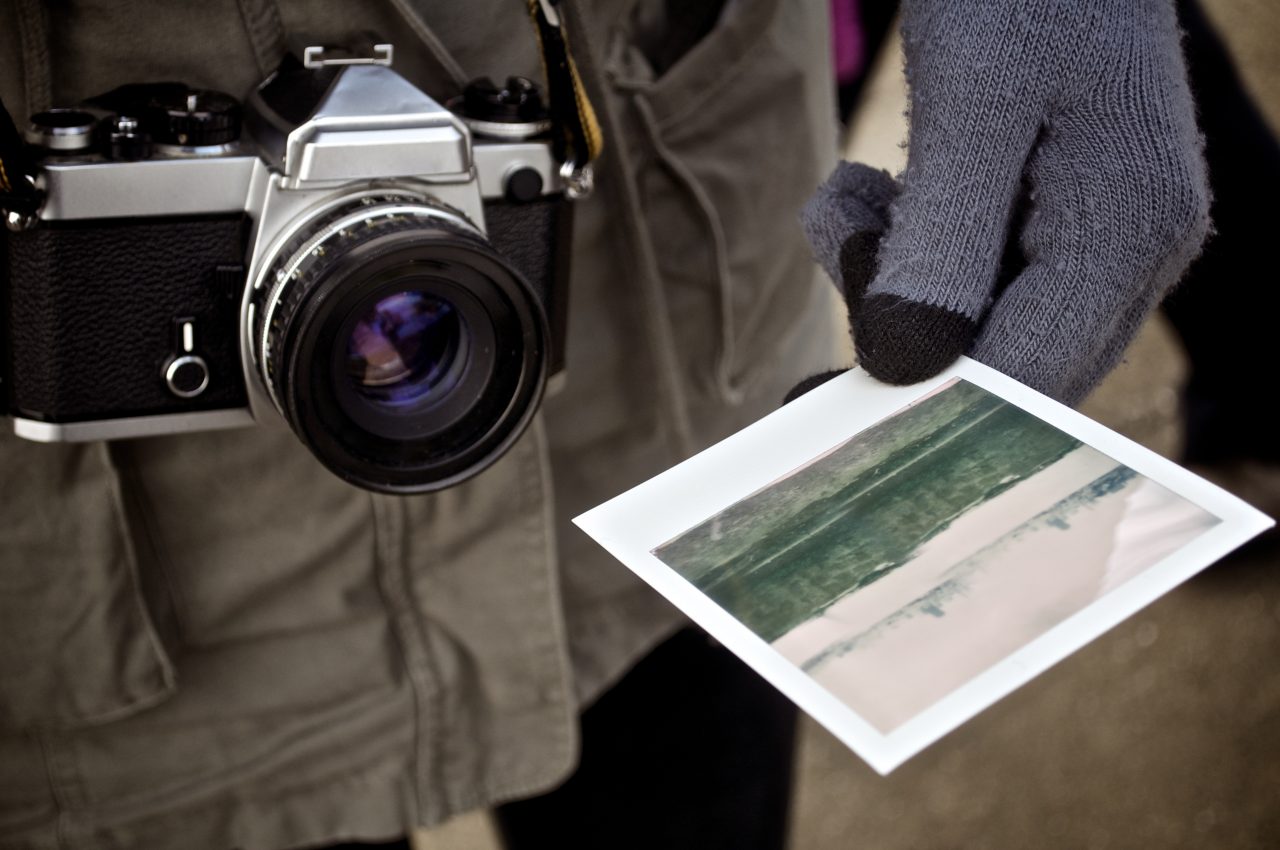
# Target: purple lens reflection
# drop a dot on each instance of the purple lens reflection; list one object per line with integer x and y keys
{"x": 402, "y": 348}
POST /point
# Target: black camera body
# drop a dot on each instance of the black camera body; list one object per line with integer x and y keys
{"x": 387, "y": 274}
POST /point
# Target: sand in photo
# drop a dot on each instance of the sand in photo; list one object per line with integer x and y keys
{"x": 930, "y": 546}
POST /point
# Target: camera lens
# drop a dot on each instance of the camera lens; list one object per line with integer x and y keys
{"x": 403, "y": 350}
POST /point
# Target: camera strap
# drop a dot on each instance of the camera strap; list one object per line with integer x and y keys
{"x": 20, "y": 200}
{"x": 19, "y": 197}
{"x": 577, "y": 139}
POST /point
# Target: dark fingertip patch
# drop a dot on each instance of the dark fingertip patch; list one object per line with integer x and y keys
{"x": 902, "y": 342}
{"x": 810, "y": 383}
{"x": 858, "y": 264}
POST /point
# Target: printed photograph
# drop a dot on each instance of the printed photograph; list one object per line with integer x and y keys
{"x": 928, "y": 547}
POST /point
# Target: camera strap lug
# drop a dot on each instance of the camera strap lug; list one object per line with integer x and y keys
{"x": 579, "y": 182}
{"x": 577, "y": 139}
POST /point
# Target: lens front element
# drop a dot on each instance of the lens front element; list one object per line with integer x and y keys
{"x": 401, "y": 350}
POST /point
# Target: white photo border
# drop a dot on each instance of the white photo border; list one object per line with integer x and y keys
{"x": 631, "y": 525}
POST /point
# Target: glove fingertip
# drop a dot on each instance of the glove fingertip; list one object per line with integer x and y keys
{"x": 901, "y": 342}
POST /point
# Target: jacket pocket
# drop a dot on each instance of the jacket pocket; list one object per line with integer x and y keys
{"x": 77, "y": 644}
{"x": 728, "y": 142}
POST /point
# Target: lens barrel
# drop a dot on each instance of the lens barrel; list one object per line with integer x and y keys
{"x": 402, "y": 349}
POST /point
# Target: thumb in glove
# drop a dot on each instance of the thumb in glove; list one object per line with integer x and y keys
{"x": 1079, "y": 114}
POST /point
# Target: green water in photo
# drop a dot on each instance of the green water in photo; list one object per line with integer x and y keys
{"x": 785, "y": 554}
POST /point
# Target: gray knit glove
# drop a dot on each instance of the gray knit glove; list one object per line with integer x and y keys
{"x": 1054, "y": 191}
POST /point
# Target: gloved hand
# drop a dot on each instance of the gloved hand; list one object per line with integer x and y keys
{"x": 1053, "y": 138}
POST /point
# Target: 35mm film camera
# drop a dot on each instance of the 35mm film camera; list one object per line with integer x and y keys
{"x": 385, "y": 273}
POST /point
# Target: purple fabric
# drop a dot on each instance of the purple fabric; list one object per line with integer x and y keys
{"x": 848, "y": 40}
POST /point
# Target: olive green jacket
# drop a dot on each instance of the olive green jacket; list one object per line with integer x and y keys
{"x": 207, "y": 641}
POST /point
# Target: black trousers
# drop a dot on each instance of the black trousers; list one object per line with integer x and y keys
{"x": 691, "y": 750}
{"x": 1227, "y": 307}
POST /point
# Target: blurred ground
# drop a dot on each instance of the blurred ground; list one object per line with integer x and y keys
{"x": 1163, "y": 733}
{"x": 1251, "y": 29}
